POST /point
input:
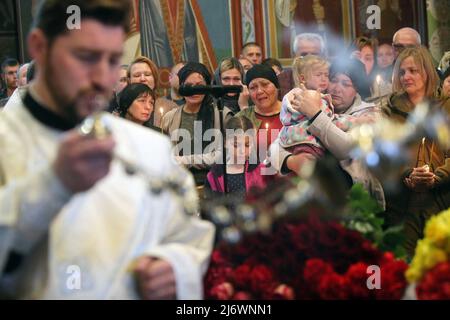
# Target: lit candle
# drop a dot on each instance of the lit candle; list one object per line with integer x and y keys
{"x": 267, "y": 126}
{"x": 161, "y": 111}
{"x": 378, "y": 80}
{"x": 421, "y": 148}
{"x": 431, "y": 153}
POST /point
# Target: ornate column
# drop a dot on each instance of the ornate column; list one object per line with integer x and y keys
{"x": 438, "y": 22}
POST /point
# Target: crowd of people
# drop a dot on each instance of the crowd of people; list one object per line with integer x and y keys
{"x": 66, "y": 199}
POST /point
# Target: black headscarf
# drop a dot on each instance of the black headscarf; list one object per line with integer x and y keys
{"x": 355, "y": 70}
{"x": 194, "y": 67}
{"x": 262, "y": 71}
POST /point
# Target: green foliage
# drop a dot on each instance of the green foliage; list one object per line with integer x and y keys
{"x": 364, "y": 215}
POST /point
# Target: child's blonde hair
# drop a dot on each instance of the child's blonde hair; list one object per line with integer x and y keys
{"x": 305, "y": 65}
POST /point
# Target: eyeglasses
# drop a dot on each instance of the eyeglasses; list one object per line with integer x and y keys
{"x": 304, "y": 54}
{"x": 399, "y": 46}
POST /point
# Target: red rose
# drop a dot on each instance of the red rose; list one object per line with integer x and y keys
{"x": 223, "y": 291}
{"x": 242, "y": 295}
{"x": 333, "y": 287}
{"x": 267, "y": 291}
{"x": 217, "y": 275}
{"x": 284, "y": 292}
{"x": 393, "y": 281}
{"x": 370, "y": 254}
{"x": 242, "y": 276}
{"x": 217, "y": 257}
{"x": 303, "y": 237}
{"x": 435, "y": 284}
{"x": 387, "y": 257}
{"x": 357, "y": 278}
{"x": 330, "y": 234}
{"x": 314, "y": 271}
{"x": 260, "y": 277}
{"x": 307, "y": 259}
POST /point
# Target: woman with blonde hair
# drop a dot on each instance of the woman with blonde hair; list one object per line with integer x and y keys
{"x": 231, "y": 73}
{"x": 425, "y": 182}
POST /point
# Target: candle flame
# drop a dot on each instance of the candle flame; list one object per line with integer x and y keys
{"x": 378, "y": 79}
{"x": 161, "y": 110}
{"x": 267, "y": 126}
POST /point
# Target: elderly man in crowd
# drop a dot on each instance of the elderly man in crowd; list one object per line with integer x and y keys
{"x": 304, "y": 44}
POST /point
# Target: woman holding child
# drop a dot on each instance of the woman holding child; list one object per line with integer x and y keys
{"x": 344, "y": 75}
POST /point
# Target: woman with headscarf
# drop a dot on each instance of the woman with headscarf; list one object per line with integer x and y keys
{"x": 263, "y": 86}
{"x": 197, "y": 147}
{"x": 136, "y": 103}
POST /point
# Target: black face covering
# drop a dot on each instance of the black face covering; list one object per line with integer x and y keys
{"x": 194, "y": 67}
{"x": 206, "y": 112}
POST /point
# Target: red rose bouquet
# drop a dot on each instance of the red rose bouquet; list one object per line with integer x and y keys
{"x": 310, "y": 259}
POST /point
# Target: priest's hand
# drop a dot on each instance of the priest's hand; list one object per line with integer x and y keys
{"x": 82, "y": 161}
{"x": 155, "y": 279}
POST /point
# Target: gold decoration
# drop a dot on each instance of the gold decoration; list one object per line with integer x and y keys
{"x": 175, "y": 29}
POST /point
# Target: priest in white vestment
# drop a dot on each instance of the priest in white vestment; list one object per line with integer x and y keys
{"x": 73, "y": 223}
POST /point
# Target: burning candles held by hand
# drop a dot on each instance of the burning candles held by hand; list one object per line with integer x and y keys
{"x": 427, "y": 164}
{"x": 378, "y": 81}
{"x": 161, "y": 111}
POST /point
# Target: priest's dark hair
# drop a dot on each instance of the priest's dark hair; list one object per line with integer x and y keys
{"x": 52, "y": 15}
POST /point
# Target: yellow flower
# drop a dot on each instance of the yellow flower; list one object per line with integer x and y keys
{"x": 433, "y": 249}
{"x": 416, "y": 267}
{"x": 436, "y": 256}
{"x": 426, "y": 257}
{"x": 413, "y": 275}
{"x": 437, "y": 229}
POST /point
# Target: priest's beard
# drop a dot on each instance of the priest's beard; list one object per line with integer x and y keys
{"x": 85, "y": 102}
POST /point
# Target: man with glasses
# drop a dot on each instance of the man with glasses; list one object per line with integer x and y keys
{"x": 405, "y": 38}
{"x": 304, "y": 44}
